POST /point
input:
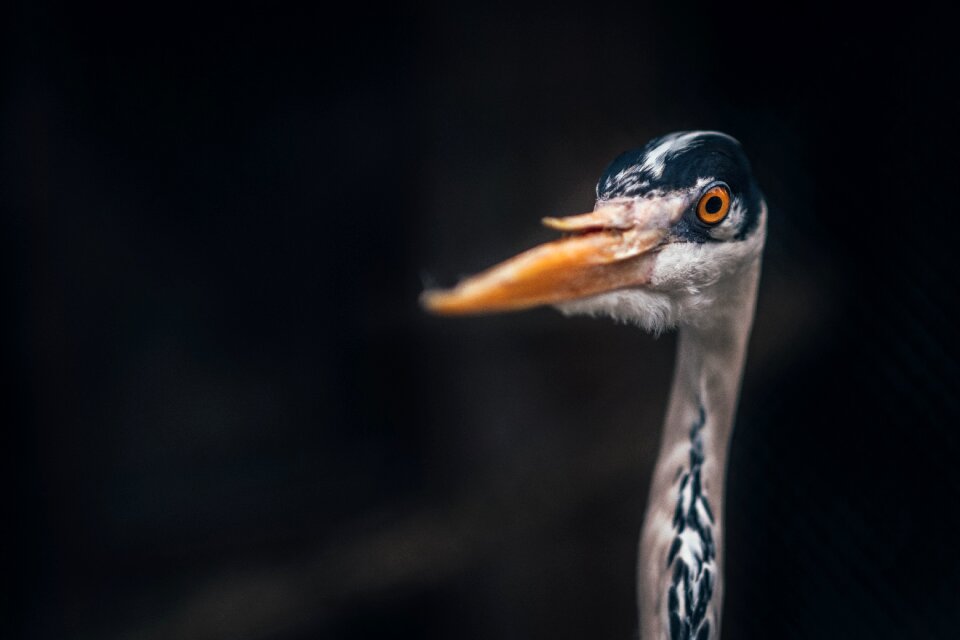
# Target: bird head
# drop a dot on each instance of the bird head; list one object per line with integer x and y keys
{"x": 675, "y": 224}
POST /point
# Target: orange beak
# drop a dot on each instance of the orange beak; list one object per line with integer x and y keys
{"x": 611, "y": 248}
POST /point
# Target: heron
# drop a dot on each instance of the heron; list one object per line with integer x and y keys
{"x": 674, "y": 241}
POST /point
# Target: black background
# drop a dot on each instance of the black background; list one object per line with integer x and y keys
{"x": 230, "y": 419}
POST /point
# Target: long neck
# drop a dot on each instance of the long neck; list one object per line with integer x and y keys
{"x": 680, "y": 575}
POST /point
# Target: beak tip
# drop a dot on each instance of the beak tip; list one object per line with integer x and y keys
{"x": 429, "y": 300}
{"x": 439, "y": 302}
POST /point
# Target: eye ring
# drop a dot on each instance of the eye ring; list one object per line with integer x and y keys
{"x": 714, "y": 204}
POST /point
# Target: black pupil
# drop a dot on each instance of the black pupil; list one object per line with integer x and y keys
{"x": 713, "y": 204}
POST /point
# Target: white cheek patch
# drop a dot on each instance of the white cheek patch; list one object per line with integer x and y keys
{"x": 693, "y": 267}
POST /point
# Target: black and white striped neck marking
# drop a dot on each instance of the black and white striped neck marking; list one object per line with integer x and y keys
{"x": 693, "y": 552}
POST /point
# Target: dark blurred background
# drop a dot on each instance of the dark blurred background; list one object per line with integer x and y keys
{"x": 228, "y": 417}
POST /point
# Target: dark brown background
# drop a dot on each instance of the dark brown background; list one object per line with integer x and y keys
{"x": 229, "y": 418}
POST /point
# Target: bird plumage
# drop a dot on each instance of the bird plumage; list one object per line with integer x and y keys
{"x": 674, "y": 241}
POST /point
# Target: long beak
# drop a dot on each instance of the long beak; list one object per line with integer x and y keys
{"x": 611, "y": 248}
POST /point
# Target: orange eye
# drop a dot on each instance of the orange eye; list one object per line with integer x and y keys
{"x": 713, "y": 205}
